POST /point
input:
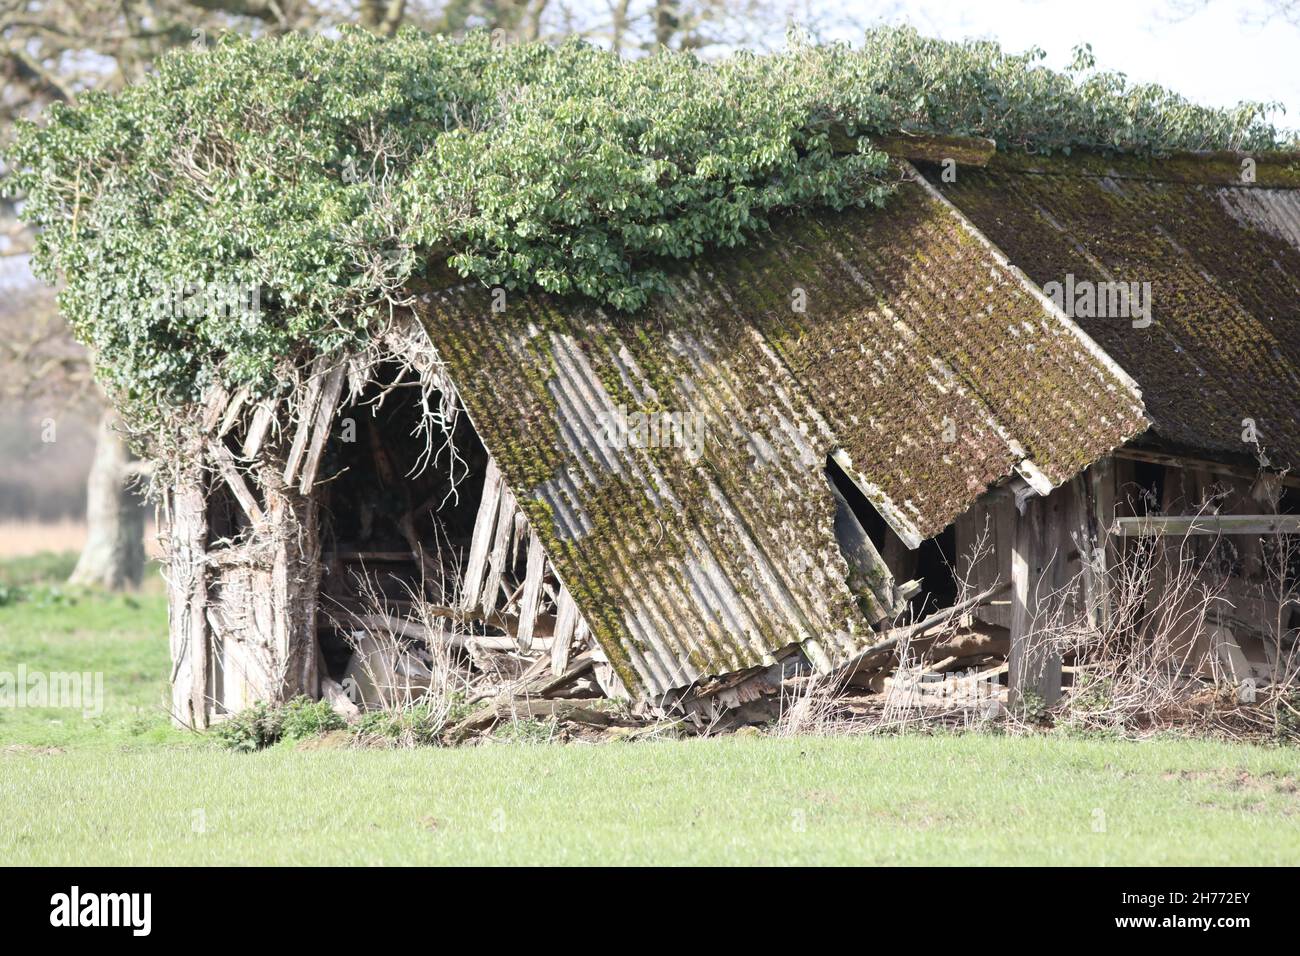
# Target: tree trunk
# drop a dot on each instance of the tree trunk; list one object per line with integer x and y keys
{"x": 114, "y": 553}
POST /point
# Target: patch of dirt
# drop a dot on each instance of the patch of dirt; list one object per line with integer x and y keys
{"x": 334, "y": 740}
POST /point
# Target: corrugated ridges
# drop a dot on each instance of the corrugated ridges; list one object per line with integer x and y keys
{"x": 936, "y": 367}
{"x": 1224, "y": 267}
{"x": 683, "y": 568}
{"x": 879, "y": 334}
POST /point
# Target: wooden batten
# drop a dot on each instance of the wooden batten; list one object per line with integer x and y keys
{"x": 321, "y": 421}
{"x": 258, "y": 426}
{"x": 566, "y": 620}
{"x": 315, "y": 412}
{"x": 497, "y": 557}
{"x": 1206, "y": 524}
{"x": 225, "y": 465}
{"x": 532, "y": 591}
{"x": 481, "y": 541}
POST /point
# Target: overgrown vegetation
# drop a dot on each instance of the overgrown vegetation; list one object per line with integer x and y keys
{"x": 262, "y": 725}
{"x": 307, "y": 180}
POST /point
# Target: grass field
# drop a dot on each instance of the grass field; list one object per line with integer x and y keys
{"x": 123, "y": 787}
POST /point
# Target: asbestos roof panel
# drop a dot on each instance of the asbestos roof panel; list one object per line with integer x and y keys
{"x": 699, "y": 551}
{"x": 1223, "y": 261}
{"x": 894, "y": 338}
{"x": 939, "y": 368}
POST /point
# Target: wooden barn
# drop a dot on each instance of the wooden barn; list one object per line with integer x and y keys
{"x": 972, "y": 403}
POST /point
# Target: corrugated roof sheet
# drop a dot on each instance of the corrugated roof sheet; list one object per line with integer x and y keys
{"x": 1223, "y": 261}
{"x": 682, "y": 567}
{"x": 918, "y": 355}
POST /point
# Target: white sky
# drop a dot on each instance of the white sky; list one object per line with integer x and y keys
{"x": 1216, "y": 52}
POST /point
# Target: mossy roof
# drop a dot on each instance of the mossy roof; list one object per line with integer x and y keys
{"x": 1222, "y": 257}
{"x": 684, "y": 567}
{"x": 894, "y": 337}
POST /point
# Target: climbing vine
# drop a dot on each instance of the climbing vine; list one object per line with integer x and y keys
{"x": 263, "y": 200}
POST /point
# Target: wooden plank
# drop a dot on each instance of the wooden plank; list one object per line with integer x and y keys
{"x": 505, "y": 524}
{"x": 214, "y": 406}
{"x": 988, "y": 521}
{"x": 232, "y": 412}
{"x": 532, "y": 591}
{"x": 893, "y": 636}
{"x": 1032, "y": 665}
{"x": 225, "y": 463}
{"x": 258, "y": 426}
{"x": 306, "y": 417}
{"x": 566, "y": 620}
{"x": 1180, "y": 525}
{"x": 1099, "y": 513}
{"x": 1181, "y": 461}
{"x": 323, "y": 421}
{"x": 484, "y": 526}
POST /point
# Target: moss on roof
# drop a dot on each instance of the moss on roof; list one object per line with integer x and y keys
{"x": 895, "y": 336}
{"x": 1223, "y": 262}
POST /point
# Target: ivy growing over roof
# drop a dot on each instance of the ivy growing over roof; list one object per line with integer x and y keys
{"x": 315, "y": 177}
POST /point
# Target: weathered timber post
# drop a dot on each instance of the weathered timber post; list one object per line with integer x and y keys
{"x": 1033, "y": 665}
{"x": 187, "y": 604}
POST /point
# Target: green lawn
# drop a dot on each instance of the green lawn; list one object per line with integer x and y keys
{"x": 123, "y": 788}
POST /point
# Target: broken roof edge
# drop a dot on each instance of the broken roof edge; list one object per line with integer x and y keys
{"x": 894, "y": 516}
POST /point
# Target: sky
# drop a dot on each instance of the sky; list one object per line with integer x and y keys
{"x": 1216, "y": 52}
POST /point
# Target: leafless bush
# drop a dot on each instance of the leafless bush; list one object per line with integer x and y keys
{"x": 1154, "y": 658}
{"x": 812, "y": 706}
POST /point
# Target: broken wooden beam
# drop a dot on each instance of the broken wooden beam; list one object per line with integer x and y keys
{"x": 1210, "y": 524}
{"x": 225, "y": 463}
{"x": 532, "y": 592}
{"x": 481, "y": 540}
{"x": 584, "y": 664}
{"x": 920, "y": 627}
{"x": 323, "y": 420}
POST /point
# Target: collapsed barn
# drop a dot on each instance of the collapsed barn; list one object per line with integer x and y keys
{"x": 809, "y": 454}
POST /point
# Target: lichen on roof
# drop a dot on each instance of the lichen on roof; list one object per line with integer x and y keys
{"x": 1220, "y": 360}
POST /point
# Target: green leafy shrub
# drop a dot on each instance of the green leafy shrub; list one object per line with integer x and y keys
{"x": 1288, "y": 717}
{"x": 253, "y": 728}
{"x": 418, "y": 726}
{"x": 304, "y": 717}
{"x": 320, "y": 175}
{"x": 261, "y": 725}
